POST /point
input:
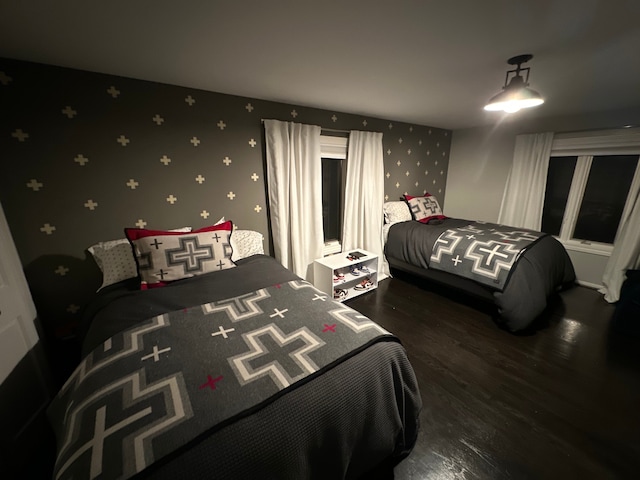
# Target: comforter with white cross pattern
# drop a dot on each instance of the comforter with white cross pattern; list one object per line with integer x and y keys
{"x": 163, "y": 383}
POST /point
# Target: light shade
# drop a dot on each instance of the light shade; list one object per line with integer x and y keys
{"x": 516, "y": 94}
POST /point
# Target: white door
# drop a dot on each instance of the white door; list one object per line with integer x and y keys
{"x": 24, "y": 389}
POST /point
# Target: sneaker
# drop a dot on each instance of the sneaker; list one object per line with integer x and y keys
{"x": 338, "y": 276}
{"x": 364, "y": 285}
{"x": 339, "y": 293}
{"x": 364, "y": 269}
{"x": 354, "y": 270}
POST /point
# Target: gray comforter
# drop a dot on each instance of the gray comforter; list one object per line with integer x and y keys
{"x": 342, "y": 421}
{"x": 540, "y": 271}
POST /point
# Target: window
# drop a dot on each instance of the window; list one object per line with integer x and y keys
{"x": 587, "y": 189}
{"x": 334, "y": 162}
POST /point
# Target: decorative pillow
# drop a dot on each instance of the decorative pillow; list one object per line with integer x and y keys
{"x": 246, "y": 243}
{"x": 116, "y": 261}
{"x": 164, "y": 256}
{"x": 396, "y": 212}
{"x": 424, "y": 208}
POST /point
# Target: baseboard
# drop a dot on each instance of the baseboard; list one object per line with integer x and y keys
{"x": 593, "y": 286}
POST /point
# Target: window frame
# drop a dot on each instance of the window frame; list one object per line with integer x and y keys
{"x": 586, "y": 145}
{"x": 333, "y": 148}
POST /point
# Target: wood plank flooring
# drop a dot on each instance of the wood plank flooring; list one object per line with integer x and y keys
{"x": 559, "y": 401}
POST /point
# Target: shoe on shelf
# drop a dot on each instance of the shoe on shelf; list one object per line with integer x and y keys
{"x": 364, "y": 269}
{"x": 355, "y": 271}
{"x": 337, "y": 276}
{"x": 364, "y": 285}
{"x": 339, "y": 293}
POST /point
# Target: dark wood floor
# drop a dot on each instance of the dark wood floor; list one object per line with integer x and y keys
{"x": 560, "y": 401}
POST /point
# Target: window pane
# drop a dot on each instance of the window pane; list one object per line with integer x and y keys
{"x": 559, "y": 180}
{"x": 332, "y": 198}
{"x": 604, "y": 197}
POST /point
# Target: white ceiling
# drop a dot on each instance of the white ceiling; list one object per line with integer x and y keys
{"x": 429, "y": 62}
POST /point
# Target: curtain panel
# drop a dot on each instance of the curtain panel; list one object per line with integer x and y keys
{"x": 364, "y": 196}
{"x": 523, "y": 198}
{"x": 294, "y": 181}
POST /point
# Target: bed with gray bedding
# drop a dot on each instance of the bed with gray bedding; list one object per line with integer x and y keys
{"x": 534, "y": 269}
{"x": 249, "y": 372}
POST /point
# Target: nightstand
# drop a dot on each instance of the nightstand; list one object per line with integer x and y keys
{"x": 346, "y": 275}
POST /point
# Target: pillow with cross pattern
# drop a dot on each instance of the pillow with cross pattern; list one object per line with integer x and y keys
{"x": 164, "y": 256}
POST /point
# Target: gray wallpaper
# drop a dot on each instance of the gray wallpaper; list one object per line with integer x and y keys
{"x": 84, "y": 155}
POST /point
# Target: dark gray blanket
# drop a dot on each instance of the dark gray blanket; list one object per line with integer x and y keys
{"x": 159, "y": 385}
{"x": 541, "y": 270}
{"x": 484, "y": 252}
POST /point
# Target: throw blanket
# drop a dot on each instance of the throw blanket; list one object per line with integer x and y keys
{"x": 484, "y": 252}
{"x": 167, "y": 381}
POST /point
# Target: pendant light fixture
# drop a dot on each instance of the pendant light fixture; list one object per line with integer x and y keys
{"x": 516, "y": 93}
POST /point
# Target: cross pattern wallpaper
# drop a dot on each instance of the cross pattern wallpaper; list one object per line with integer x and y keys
{"x": 85, "y": 155}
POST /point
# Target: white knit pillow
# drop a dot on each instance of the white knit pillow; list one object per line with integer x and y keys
{"x": 396, "y": 212}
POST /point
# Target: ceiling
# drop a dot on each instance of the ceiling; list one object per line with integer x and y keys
{"x": 429, "y": 62}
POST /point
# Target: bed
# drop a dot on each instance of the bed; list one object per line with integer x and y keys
{"x": 245, "y": 372}
{"x": 454, "y": 252}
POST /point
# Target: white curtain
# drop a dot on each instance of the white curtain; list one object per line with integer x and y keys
{"x": 364, "y": 196}
{"x": 294, "y": 179}
{"x": 626, "y": 248}
{"x": 523, "y": 197}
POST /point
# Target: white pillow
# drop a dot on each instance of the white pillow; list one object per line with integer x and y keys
{"x": 246, "y": 243}
{"x": 116, "y": 261}
{"x": 396, "y": 212}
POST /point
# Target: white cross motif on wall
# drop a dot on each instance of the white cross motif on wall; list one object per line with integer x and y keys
{"x": 226, "y": 161}
{"x": 294, "y": 114}
{"x": 73, "y": 308}
{"x": 437, "y": 144}
{"x": 132, "y": 184}
{"x": 194, "y": 141}
{"x": 258, "y": 208}
{"x": 441, "y": 172}
{"x": 5, "y": 79}
{"x": 221, "y": 125}
{"x": 200, "y": 179}
{"x": 204, "y": 214}
{"x": 190, "y": 100}
{"x": 397, "y": 184}
{"x": 400, "y": 140}
{"x": 20, "y": 135}
{"x": 141, "y": 223}
{"x": 166, "y": 160}
{"x": 417, "y": 184}
{"x": 35, "y": 185}
{"x": 436, "y": 162}
{"x": 418, "y": 163}
{"x": 409, "y": 152}
{"x": 122, "y": 140}
{"x": 364, "y": 122}
{"x": 426, "y": 172}
{"x": 48, "y": 229}
{"x": 388, "y": 175}
{"x": 411, "y": 128}
{"x": 429, "y": 131}
{"x": 428, "y": 152}
{"x": 254, "y": 177}
{"x": 419, "y": 142}
{"x": 69, "y": 112}
{"x": 171, "y": 199}
{"x": 334, "y": 118}
{"x": 434, "y": 181}
{"x": 407, "y": 173}
{"x": 253, "y": 143}
{"x": 113, "y": 91}
{"x": 444, "y": 153}
{"x": 386, "y": 198}
{"x": 81, "y": 160}
{"x": 249, "y": 107}
{"x": 231, "y": 195}
{"x": 61, "y": 270}
{"x": 390, "y": 126}
{"x": 91, "y": 205}
{"x": 158, "y": 119}
{"x": 398, "y": 163}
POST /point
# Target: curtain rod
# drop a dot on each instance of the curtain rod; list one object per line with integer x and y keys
{"x": 322, "y": 128}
